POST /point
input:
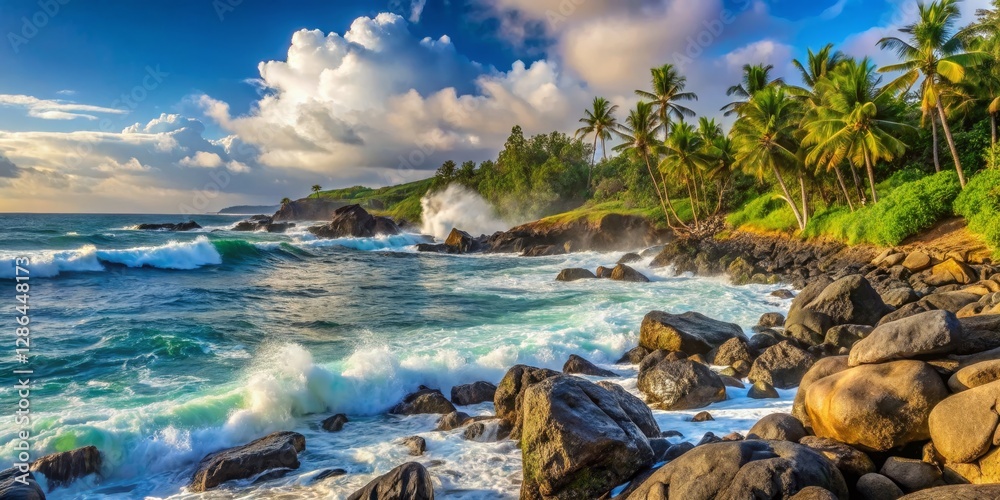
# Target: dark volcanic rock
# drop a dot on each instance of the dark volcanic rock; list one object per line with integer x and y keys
{"x": 263, "y": 223}
{"x": 308, "y": 209}
{"x": 738, "y": 470}
{"x": 680, "y": 384}
{"x": 638, "y": 412}
{"x": 578, "y": 365}
{"x": 691, "y": 332}
{"x": 416, "y": 444}
{"x": 453, "y": 421}
{"x": 611, "y": 232}
{"x": 277, "y": 450}
{"x": 409, "y": 481}
{"x": 621, "y": 272}
{"x": 510, "y": 393}
{"x": 334, "y": 423}
{"x": 474, "y": 393}
{"x": 878, "y": 487}
{"x": 850, "y": 300}
{"x": 17, "y": 485}
{"x": 575, "y": 274}
{"x": 732, "y": 351}
{"x": 354, "y": 221}
{"x": 423, "y": 401}
{"x": 911, "y": 475}
{"x": 61, "y": 469}
{"x": 634, "y": 356}
{"x": 577, "y": 441}
{"x": 183, "y": 226}
{"x": 629, "y": 258}
{"x": 462, "y": 242}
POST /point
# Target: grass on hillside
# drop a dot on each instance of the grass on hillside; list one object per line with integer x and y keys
{"x": 401, "y": 201}
{"x": 594, "y": 212}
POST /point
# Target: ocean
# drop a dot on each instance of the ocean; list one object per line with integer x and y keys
{"x": 162, "y": 347}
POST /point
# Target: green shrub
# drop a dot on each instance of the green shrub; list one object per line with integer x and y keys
{"x": 979, "y": 203}
{"x": 757, "y": 209}
{"x": 910, "y": 208}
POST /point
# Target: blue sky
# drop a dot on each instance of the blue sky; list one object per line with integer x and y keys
{"x": 371, "y": 92}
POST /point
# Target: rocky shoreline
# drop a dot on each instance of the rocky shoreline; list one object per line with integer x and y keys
{"x": 895, "y": 356}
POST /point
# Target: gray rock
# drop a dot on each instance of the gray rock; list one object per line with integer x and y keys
{"x": 274, "y": 451}
{"x": 409, "y": 481}
{"x": 510, "y": 393}
{"x": 878, "y": 487}
{"x": 638, "y": 412}
{"x": 690, "y": 332}
{"x": 634, "y": 356}
{"x": 933, "y": 332}
{"x": 680, "y": 385}
{"x": 422, "y": 402}
{"x": 12, "y": 487}
{"x": 472, "y": 394}
{"x": 334, "y": 423}
{"x": 958, "y": 492}
{"x": 578, "y": 365}
{"x": 778, "y": 427}
{"x": 782, "y": 366}
{"x": 453, "y": 421}
{"x": 763, "y": 390}
{"x": 731, "y": 351}
{"x": 575, "y": 274}
{"x": 912, "y": 475}
{"x": 416, "y": 444}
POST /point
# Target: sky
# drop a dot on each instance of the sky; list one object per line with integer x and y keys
{"x": 191, "y": 106}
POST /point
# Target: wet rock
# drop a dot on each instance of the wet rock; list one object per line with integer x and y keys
{"x": 878, "y": 487}
{"x": 621, "y": 272}
{"x": 782, "y": 366}
{"x": 575, "y": 274}
{"x": 354, "y": 221}
{"x": 409, "y": 481}
{"x": 603, "y": 272}
{"x": 680, "y": 384}
{"x": 577, "y": 442}
{"x": 510, "y": 393}
{"x": 850, "y": 461}
{"x": 964, "y": 426}
{"x": 61, "y": 469}
{"x": 763, "y": 390}
{"x": 702, "y": 416}
{"x": 912, "y": 475}
{"x": 423, "y": 401}
{"x": 634, "y": 356}
{"x": 778, "y": 427}
{"x": 740, "y": 470}
{"x": 275, "y": 451}
{"x": 690, "y": 332}
{"x": 453, "y": 421}
{"x": 851, "y": 300}
{"x": 472, "y": 394}
{"x": 416, "y": 444}
{"x": 459, "y": 241}
{"x": 327, "y": 474}
{"x": 771, "y": 320}
{"x": 731, "y": 351}
{"x": 730, "y": 381}
{"x": 17, "y": 485}
{"x": 334, "y": 423}
{"x": 637, "y": 410}
{"x": 783, "y": 294}
{"x": 578, "y": 365}
{"x": 761, "y": 341}
{"x": 932, "y": 332}
{"x": 875, "y": 407}
{"x": 629, "y": 258}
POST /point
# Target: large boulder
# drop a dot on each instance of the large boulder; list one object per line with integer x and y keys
{"x": 354, "y": 221}
{"x": 911, "y": 474}
{"x": 957, "y": 492}
{"x": 621, "y": 272}
{"x": 846, "y": 335}
{"x": 472, "y": 394}
{"x": 875, "y": 407}
{"x": 731, "y": 351}
{"x": 982, "y": 333}
{"x": 60, "y": 469}
{"x": 975, "y": 375}
{"x": 851, "y": 300}
{"x": 850, "y": 461}
{"x": 578, "y": 365}
{"x": 423, "y": 401}
{"x": 18, "y": 485}
{"x": 679, "y": 384}
{"x": 409, "y": 481}
{"x": 874, "y": 486}
{"x": 949, "y": 272}
{"x": 738, "y": 470}
{"x": 509, "y": 394}
{"x": 577, "y": 441}
{"x": 929, "y": 333}
{"x": 821, "y": 369}
{"x": 963, "y": 427}
{"x": 459, "y": 241}
{"x": 782, "y": 366}
{"x": 279, "y": 450}
{"x": 690, "y": 332}
{"x": 944, "y": 301}
{"x": 178, "y": 227}
{"x": 575, "y": 274}
{"x": 917, "y": 261}
{"x": 637, "y": 410}
{"x": 778, "y": 427}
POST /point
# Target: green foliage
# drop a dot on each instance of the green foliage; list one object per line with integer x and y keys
{"x": 401, "y": 201}
{"x": 910, "y": 208}
{"x": 979, "y": 203}
{"x": 756, "y": 211}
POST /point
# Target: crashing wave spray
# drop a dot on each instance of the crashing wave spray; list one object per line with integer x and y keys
{"x": 458, "y": 207}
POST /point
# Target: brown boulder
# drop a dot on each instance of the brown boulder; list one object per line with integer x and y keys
{"x": 778, "y": 427}
{"x": 782, "y": 366}
{"x": 690, "y": 332}
{"x": 60, "y": 469}
{"x": 821, "y": 369}
{"x": 578, "y": 365}
{"x": 875, "y": 407}
{"x": 473, "y": 394}
{"x": 423, "y": 401}
{"x": 680, "y": 384}
{"x": 621, "y": 272}
{"x": 850, "y": 461}
{"x": 975, "y": 375}
{"x": 510, "y": 392}
{"x": 409, "y": 481}
{"x": 957, "y": 492}
{"x": 731, "y": 351}
{"x": 274, "y": 451}
{"x": 575, "y": 274}
{"x": 929, "y": 333}
{"x": 963, "y": 426}
{"x": 917, "y": 261}
{"x": 949, "y": 272}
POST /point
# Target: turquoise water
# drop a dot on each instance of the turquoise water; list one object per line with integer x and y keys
{"x": 161, "y": 347}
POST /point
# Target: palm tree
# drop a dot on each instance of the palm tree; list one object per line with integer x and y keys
{"x": 599, "y": 121}
{"x": 316, "y": 188}
{"x": 818, "y": 64}
{"x": 668, "y": 88}
{"x": 763, "y": 137}
{"x": 855, "y": 121}
{"x": 756, "y": 77}
{"x": 935, "y": 51}
{"x": 685, "y": 158}
{"x": 638, "y": 134}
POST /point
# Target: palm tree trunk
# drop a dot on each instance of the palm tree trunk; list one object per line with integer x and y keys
{"x": 659, "y": 194}
{"x": 951, "y": 143}
{"x": 593, "y": 159}
{"x": 934, "y": 143}
{"x": 843, "y": 187}
{"x": 788, "y": 197}
{"x": 604, "y": 149}
{"x": 805, "y": 200}
{"x": 871, "y": 176}
{"x": 694, "y": 205}
{"x": 857, "y": 185}
{"x": 666, "y": 196}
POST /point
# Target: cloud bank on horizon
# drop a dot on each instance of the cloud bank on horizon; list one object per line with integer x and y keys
{"x": 378, "y": 104}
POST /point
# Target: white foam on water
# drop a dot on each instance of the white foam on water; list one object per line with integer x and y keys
{"x": 172, "y": 255}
